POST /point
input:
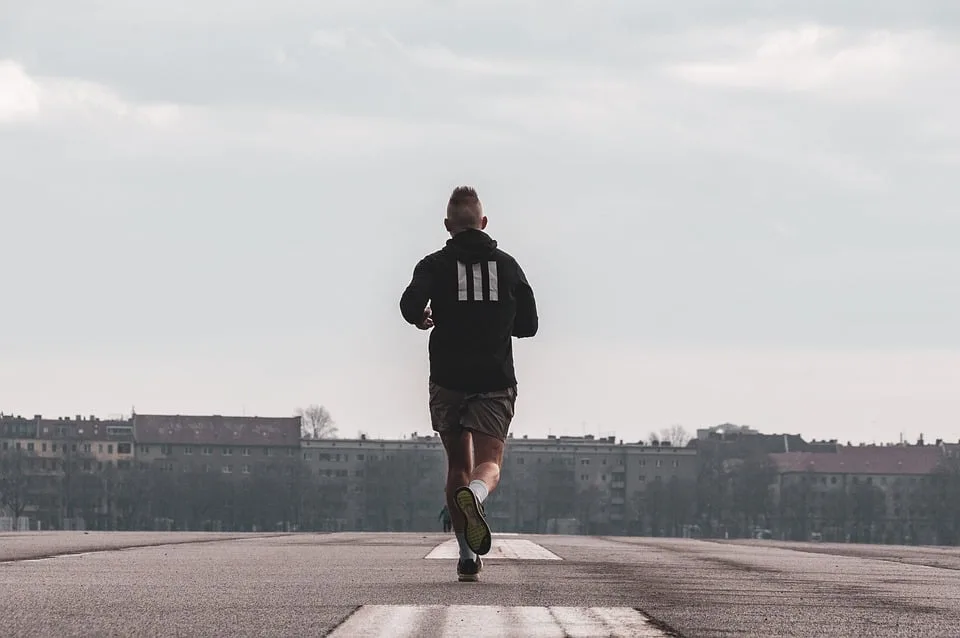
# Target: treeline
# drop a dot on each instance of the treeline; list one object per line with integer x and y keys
{"x": 399, "y": 492}
{"x": 403, "y": 491}
{"x": 737, "y": 497}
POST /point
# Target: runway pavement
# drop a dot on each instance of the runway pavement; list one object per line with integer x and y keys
{"x": 338, "y": 585}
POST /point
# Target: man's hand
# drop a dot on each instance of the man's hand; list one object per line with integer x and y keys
{"x": 427, "y": 322}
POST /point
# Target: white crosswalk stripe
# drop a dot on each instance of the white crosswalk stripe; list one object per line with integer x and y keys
{"x": 511, "y": 548}
{"x": 477, "y": 621}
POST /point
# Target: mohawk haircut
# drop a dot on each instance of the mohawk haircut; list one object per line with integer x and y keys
{"x": 464, "y": 208}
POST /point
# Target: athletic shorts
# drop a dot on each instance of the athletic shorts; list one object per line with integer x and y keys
{"x": 486, "y": 412}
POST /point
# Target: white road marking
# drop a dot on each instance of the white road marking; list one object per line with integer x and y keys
{"x": 538, "y": 622}
{"x": 462, "y": 620}
{"x": 492, "y": 620}
{"x": 511, "y": 548}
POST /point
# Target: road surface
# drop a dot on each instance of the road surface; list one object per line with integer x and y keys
{"x": 340, "y": 585}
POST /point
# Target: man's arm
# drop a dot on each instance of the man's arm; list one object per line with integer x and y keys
{"x": 413, "y": 302}
{"x": 526, "y": 322}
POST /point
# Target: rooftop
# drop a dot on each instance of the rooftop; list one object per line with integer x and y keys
{"x": 867, "y": 459}
{"x": 217, "y": 430}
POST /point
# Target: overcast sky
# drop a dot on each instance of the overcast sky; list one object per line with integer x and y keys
{"x": 729, "y": 211}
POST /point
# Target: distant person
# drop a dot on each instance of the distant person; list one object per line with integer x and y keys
{"x": 476, "y": 298}
{"x": 445, "y": 518}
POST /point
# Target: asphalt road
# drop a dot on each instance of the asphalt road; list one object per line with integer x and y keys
{"x": 149, "y": 584}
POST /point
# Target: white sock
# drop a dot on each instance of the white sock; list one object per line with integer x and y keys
{"x": 465, "y": 552}
{"x": 479, "y": 489}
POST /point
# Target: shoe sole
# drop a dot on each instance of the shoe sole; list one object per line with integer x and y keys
{"x": 477, "y": 531}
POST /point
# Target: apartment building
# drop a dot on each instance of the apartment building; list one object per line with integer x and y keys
{"x": 599, "y": 483}
{"x": 391, "y": 485}
{"x": 62, "y": 464}
{"x": 869, "y": 490}
{"x": 230, "y": 445}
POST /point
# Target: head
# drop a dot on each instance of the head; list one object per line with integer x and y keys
{"x": 464, "y": 211}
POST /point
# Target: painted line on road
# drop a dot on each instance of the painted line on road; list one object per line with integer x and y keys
{"x": 491, "y": 620}
{"x": 501, "y": 548}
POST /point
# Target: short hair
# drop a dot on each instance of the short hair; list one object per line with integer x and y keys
{"x": 464, "y": 208}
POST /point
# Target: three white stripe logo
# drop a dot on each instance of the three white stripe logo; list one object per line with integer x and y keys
{"x": 493, "y": 282}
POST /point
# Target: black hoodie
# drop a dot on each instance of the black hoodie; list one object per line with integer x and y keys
{"x": 480, "y": 299}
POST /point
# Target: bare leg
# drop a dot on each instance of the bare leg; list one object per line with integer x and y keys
{"x": 488, "y": 458}
{"x": 459, "y": 469}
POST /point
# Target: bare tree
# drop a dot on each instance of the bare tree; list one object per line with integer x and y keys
{"x": 15, "y": 483}
{"x": 316, "y": 422}
{"x": 676, "y": 435}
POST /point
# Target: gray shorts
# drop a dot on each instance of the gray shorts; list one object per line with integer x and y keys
{"x": 489, "y": 413}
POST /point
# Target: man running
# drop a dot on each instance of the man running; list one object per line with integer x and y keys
{"x": 476, "y": 298}
{"x": 445, "y": 519}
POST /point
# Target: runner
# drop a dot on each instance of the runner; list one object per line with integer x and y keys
{"x": 445, "y": 518}
{"x": 476, "y": 298}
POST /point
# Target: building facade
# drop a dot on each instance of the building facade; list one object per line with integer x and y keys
{"x": 866, "y": 493}
{"x": 61, "y": 473}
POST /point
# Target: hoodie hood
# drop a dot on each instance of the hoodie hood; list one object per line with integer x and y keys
{"x": 471, "y": 246}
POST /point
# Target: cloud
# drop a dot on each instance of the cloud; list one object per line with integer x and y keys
{"x": 815, "y": 58}
{"x": 19, "y": 94}
{"x": 24, "y": 98}
{"x": 431, "y": 55}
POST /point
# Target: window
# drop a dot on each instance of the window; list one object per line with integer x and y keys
{"x": 643, "y": 477}
{"x": 659, "y": 462}
{"x": 326, "y": 457}
{"x": 30, "y": 447}
{"x": 228, "y": 451}
{"x": 676, "y": 463}
{"x": 246, "y": 451}
{"x": 584, "y": 461}
{"x": 359, "y": 457}
{"x": 643, "y": 462}
{"x": 291, "y": 452}
{"x": 206, "y": 451}
{"x": 306, "y": 456}
{"x": 657, "y": 479}
{"x": 228, "y": 469}
{"x": 188, "y": 450}
{"x": 86, "y": 466}
{"x": 166, "y": 449}
{"x": 54, "y": 447}
{"x": 358, "y": 473}
{"x": 124, "y": 448}
{"x": 519, "y": 460}
{"x": 100, "y": 448}
{"x": 87, "y": 447}
{"x": 266, "y": 451}
{"x": 110, "y": 449}
{"x": 43, "y": 447}
{"x": 144, "y": 449}
{"x": 603, "y": 477}
{"x": 245, "y": 469}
